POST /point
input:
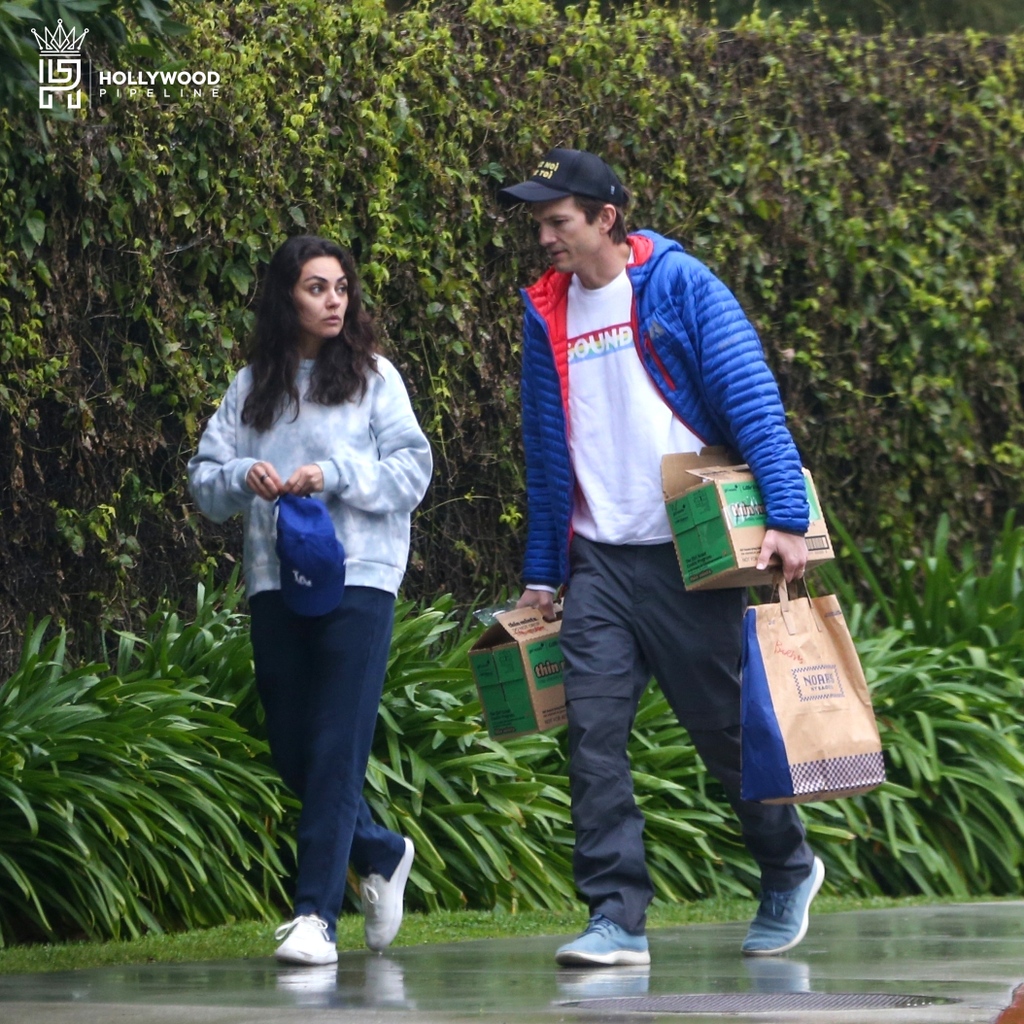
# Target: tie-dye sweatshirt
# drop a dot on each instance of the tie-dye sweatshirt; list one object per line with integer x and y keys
{"x": 375, "y": 460}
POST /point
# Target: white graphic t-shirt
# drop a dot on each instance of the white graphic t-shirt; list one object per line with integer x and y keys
{"x": 619, "y": 425}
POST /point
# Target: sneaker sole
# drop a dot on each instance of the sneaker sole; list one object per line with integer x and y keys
{"x": 819, "y": 870}
{"x": 303, "y": 960}
{"x": 617, "y": 958}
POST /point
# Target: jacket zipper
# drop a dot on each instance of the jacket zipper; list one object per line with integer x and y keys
{"x": 657, "y": 362}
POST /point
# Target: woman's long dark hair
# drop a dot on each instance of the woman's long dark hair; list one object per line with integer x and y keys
{"x": 343, "y": 361}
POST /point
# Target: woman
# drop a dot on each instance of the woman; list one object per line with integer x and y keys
{"x": 319, "y": 414}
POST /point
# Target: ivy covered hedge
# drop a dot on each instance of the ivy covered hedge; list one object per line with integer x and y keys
{"x": 862, "y": 196}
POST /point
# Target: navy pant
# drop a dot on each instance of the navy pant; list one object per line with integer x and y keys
{"x": 320, "y": 681}
{"x": 627, "y": 617}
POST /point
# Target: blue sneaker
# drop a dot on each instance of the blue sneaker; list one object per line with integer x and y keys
{"x": 781, "y": 920}
{"x": 606, "y": 944}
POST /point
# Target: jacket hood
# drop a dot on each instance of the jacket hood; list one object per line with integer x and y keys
{"x": 648, "y": 248}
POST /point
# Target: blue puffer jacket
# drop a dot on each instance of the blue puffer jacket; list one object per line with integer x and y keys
{"x": 704, "y": 357}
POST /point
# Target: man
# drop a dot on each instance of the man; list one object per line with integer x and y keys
{"x": 631, "y": 350}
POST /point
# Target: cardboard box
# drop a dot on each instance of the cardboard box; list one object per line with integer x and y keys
{"x": 718, "y": 520}
{"x": 517, "y": 664}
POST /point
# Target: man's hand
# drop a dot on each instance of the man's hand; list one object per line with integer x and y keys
{"x": 789, "y": 549}
{"x": 542, "y": 599}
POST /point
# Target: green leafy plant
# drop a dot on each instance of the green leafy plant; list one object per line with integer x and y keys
{"x": 130, "y": 800}
{"x": 936, "y": 598}
{"x": 943, "y": 648}
{"x": 140, "y": 797}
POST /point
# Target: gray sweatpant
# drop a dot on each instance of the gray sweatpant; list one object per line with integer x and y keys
{"x": 627, "y": 617}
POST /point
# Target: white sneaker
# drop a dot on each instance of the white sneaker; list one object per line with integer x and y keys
{"x": 305, "y": 942}
{"x": 383, "y": 900}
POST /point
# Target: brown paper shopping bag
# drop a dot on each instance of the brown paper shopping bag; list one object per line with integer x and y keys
{"x": 808, "y": 728}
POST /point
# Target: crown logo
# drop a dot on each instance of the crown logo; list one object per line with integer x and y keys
{"x": 60, "y": 42}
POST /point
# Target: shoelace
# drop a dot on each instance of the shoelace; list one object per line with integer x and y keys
{"x": 286, "y": 929}
{"x": 775, "y": 904}
{"x": 369, "y": 893}
{"x": 600, "y": 925}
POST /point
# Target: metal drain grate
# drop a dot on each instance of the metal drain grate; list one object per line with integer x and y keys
{"x": 752, "y": 1002}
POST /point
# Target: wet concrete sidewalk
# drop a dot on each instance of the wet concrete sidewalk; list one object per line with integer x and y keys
{"x": 957, "y": 964}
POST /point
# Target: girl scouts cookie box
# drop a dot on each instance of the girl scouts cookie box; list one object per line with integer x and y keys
{"x": 718, "y": 520}
{"x": 517, "y": 664}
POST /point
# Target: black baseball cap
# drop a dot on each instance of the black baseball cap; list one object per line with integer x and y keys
{"x": 568, "y": 172}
